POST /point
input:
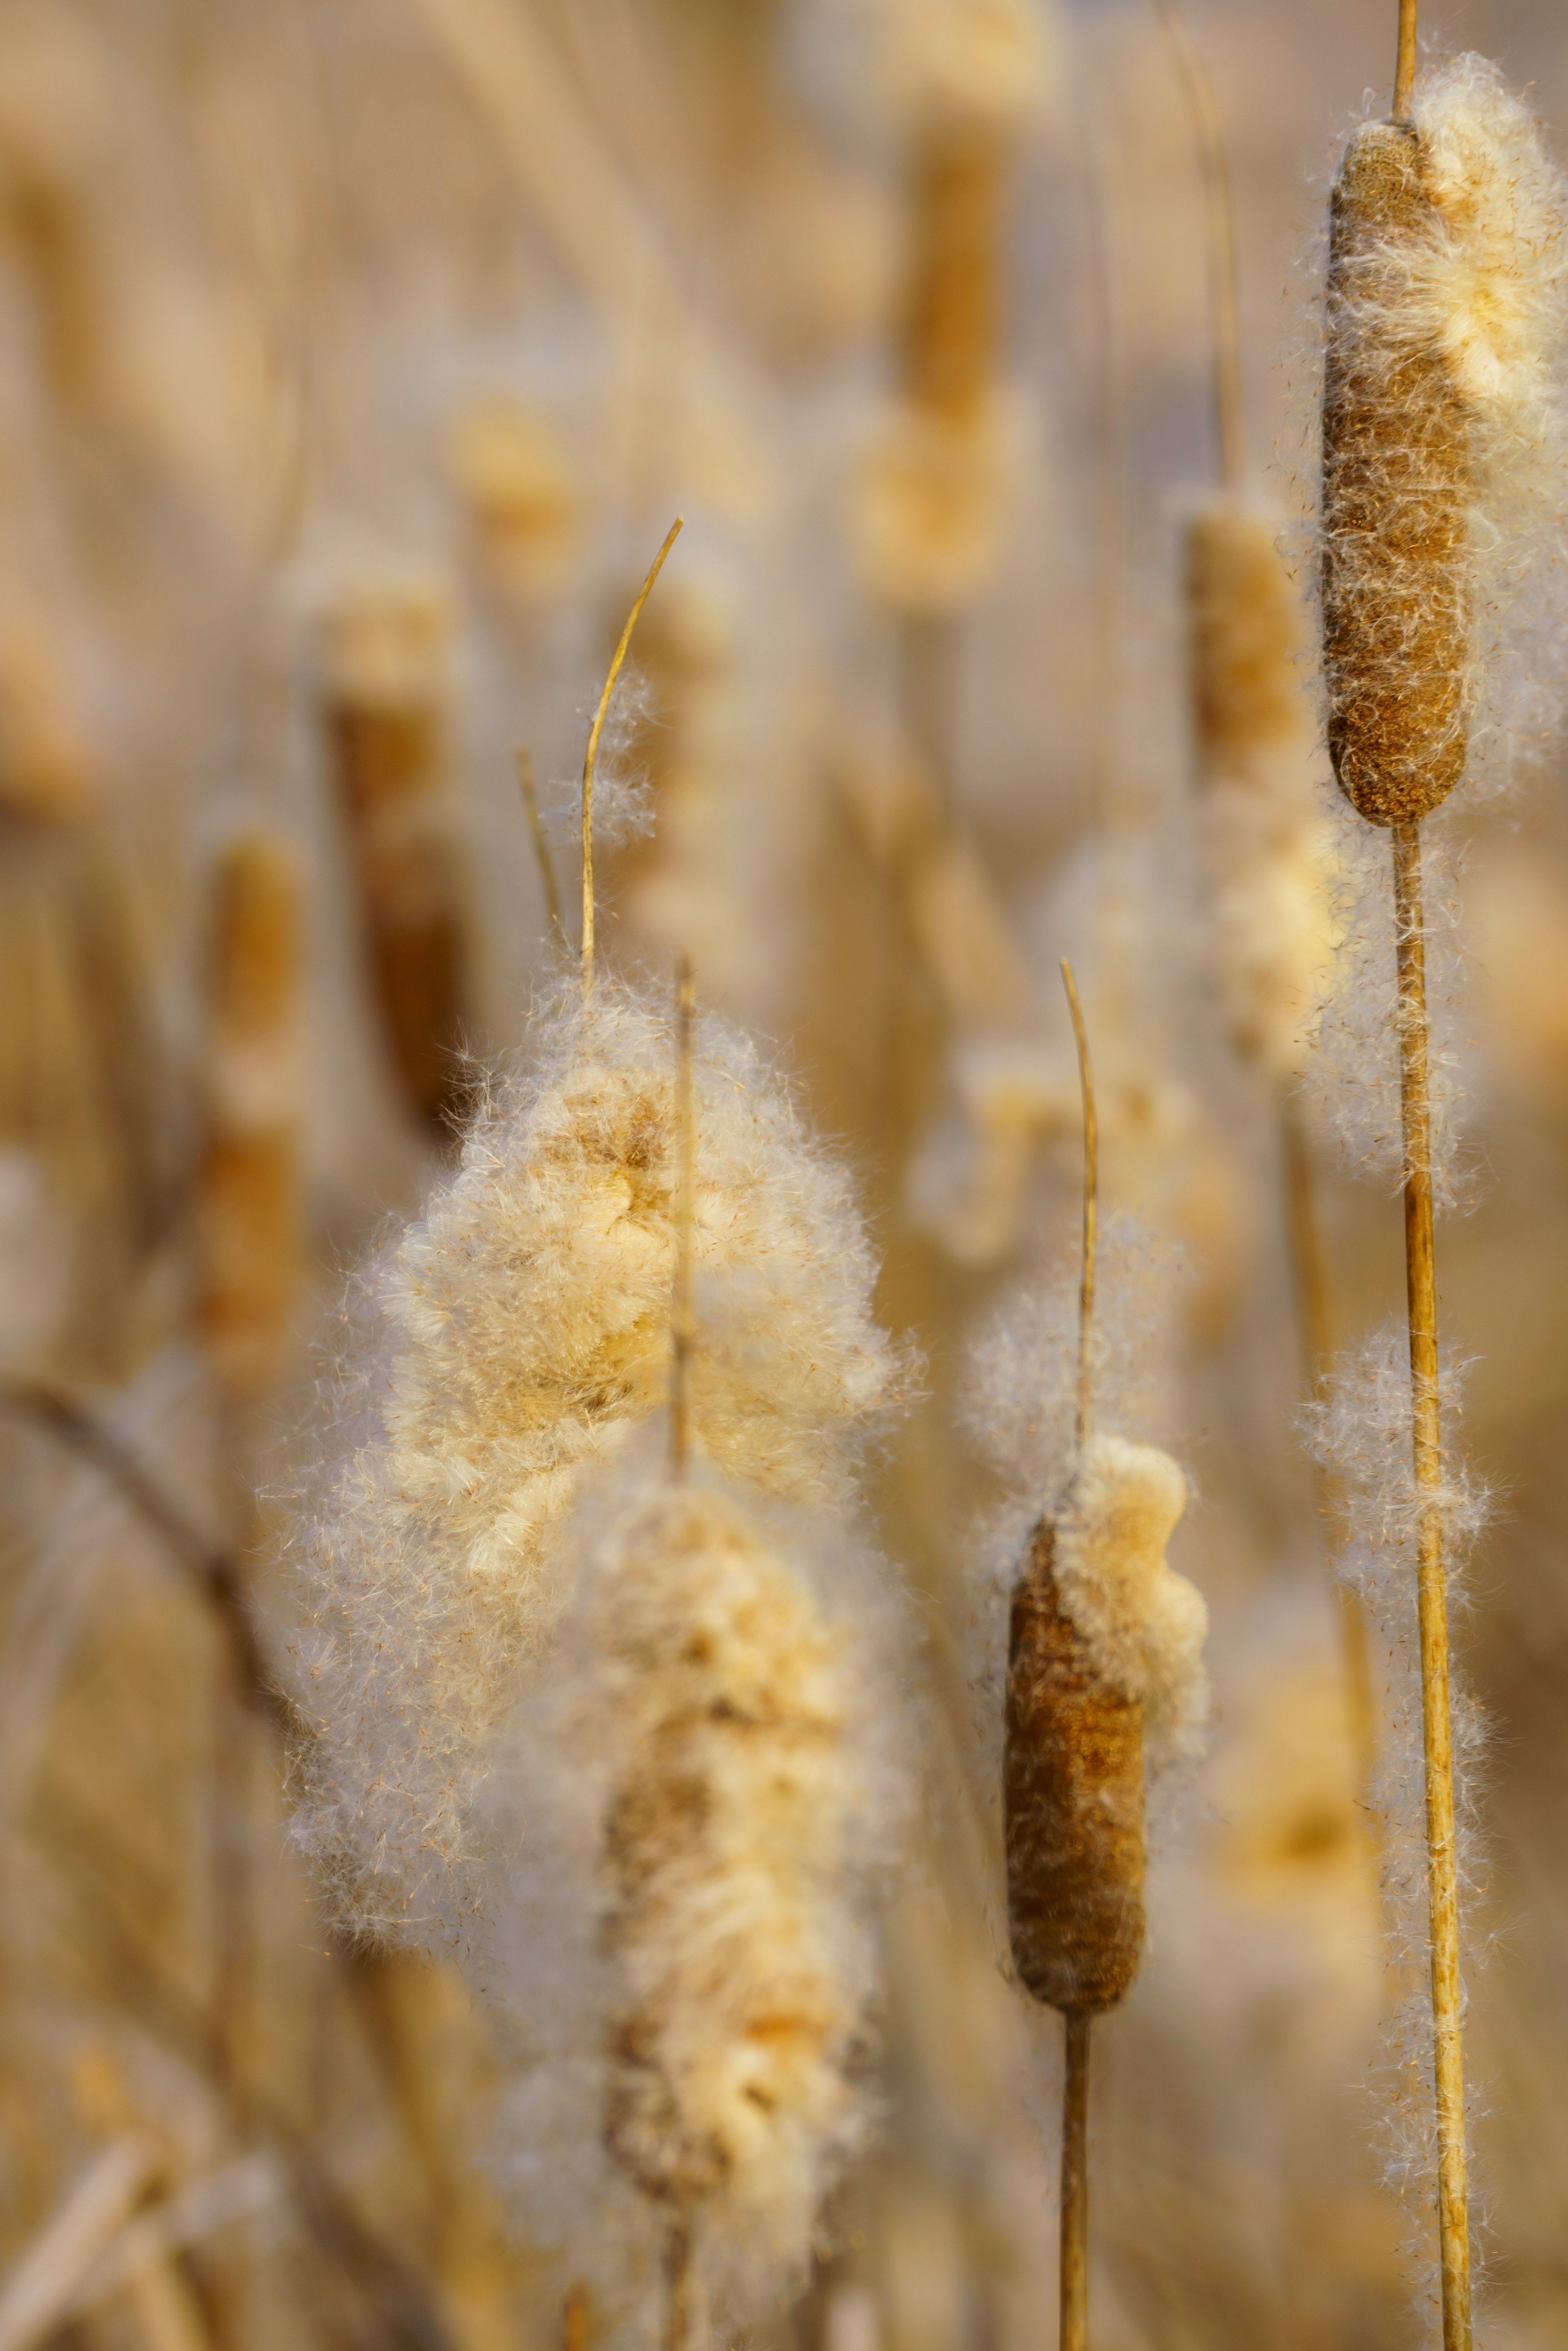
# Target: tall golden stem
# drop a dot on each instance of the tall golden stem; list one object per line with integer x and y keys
{"x": 1405, "y": 65}
{"x": 1074, "y": 2257}
{"x": 1091, "y": 1210}
{"x": 678, "y": 2285}
{"x": 1442, "y": 1863}
{"x": 590, "y": 756}
{"x": 682, "y": 1325}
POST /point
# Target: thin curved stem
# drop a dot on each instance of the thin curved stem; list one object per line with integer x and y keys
{"x": 1437, "y": 1729}
{"x": 541, "y": 847}
{"x": 1091, "y": 1210}
{"x": 590, "y": 756}
{"x": 682, "y": 1326}
{"x": 1219, "y": 245}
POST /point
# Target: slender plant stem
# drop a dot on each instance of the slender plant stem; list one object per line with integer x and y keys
{"x": 682, "y": 1330}
{"x": 1315, "y": 1316}
{"x": 678, "y": 2285}
{"x": 542, "y": 857}
{"x": 1405, "y": 65}
{"x": 1091, "y": 1210}
{"x": 575, "y": 2320}
{"x": 1442, "y": 1867}
{"x": 928, "y": 650}
{"x": 1219, "y": 241}
{"x": 1075, "y": 2194}
{"x": 590, "y": 756}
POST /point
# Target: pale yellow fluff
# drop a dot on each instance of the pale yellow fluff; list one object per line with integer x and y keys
{"x": 1145, "y": 1625}
{"x": 513, "y": 1333}
{"x": 688, "y": 1945}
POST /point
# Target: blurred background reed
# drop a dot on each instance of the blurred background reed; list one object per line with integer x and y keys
{"x": 354, "y": 355}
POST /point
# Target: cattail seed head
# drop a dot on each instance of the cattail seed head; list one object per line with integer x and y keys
{"x": 1073, "y": 1793}
{"x": 1398, "y": 483}
{"x": 1104, "y": 1673}
{"x": 1244, "y": 635}
{"x": 249, "y": 1219}
{"x": 721, "y": 1842}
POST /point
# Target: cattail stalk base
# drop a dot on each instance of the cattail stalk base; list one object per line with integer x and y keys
{"x": 1073, "y": 2272}
{"x": 1442, "y": 1865}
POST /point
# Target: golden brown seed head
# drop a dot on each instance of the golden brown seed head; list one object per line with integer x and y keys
{"x": 1396, "y": 488}
{"x": 1074, "y": 1794}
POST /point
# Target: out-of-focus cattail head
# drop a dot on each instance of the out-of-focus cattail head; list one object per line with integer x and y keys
{"x": 1105, "y": 1671}
{"x": 522, "y": 494}
{"x": 1244, "y": 642}
{"x": 250, "y": 1224}
{"x": 723, "y": 1845}
{"x": 385, "y": 642}
{"x": 1447, "y": 305}
{"x": 1264, "y": 839}
{"x": 934, "y": 492}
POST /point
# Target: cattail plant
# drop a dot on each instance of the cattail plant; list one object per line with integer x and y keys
{"x": 249, "y": 1209}
{"x": 934, "y": 497}
{"x": 1267, "y": 849}
{"x": 1103, "y": 1676}
{"x": 1446, "y": 282}
{"x": 502, "y": 1351}
{"x": 708, "y": 1743}
{"x": 384, "y": 719}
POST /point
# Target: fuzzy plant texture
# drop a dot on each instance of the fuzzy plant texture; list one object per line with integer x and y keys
{"x": 686, "y": 1945}
{"x": 1361, "y": 1434}
{"x": 1086, "y": 1644}
{"x": 1443, "y": 443}
{"x": 1442, "y": 532}
{"x": 496, "y": 1353}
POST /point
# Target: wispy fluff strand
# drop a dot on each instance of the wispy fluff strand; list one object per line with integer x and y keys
{"x": 1360, "y": 1432}
{"x": 496, "y": 1353}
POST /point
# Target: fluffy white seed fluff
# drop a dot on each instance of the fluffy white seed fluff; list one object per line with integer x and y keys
{"x": 1487, "y": 285}
{"x": 1144, "y": 1625}
{"x": 1361, "y": 1433}
{"x": 499, "y": 1350}
{"x": 685, "y": 1942}
{"x": 1113, "y": 1513}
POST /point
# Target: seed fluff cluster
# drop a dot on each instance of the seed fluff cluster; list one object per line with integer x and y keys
{"x": 497, "y": 1353}
{"x": 685, "y": 1944}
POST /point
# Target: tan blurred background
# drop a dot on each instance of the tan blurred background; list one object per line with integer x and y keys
{"x": 354, "y": 358}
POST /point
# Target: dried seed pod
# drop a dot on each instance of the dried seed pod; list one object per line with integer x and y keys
{"x": 1073, "y": 1791}
{"x": 1105, "y": 1676}
{"x": 1398, "y": 483}
{"x": 250, "y": 1225}
{"x": 385, "y": 718}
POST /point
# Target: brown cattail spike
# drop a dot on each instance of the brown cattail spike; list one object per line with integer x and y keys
{"x": 955, "y": 297}
{"x": 1396, "y": 487}
{"x": 386, "y": 723}
{"x": 1074, "y": 1790}
{"x": 249, "y": 1206}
